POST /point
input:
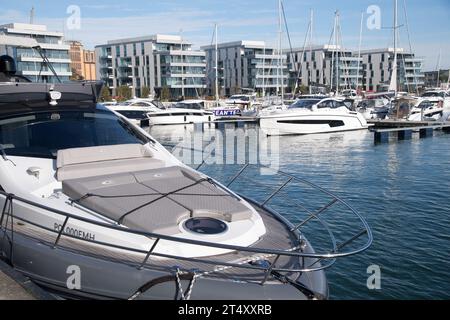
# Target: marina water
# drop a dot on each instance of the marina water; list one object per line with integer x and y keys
{"x": 401, "y": 188}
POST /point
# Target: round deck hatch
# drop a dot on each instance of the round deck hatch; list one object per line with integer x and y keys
{"x": 205, "y": 225}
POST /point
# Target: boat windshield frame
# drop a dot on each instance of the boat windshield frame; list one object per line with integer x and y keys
{"x": 308, "y": 104}
{"x": 44, "y": 132}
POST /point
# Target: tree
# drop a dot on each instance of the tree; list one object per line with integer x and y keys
{"x": 75, "y": 75}
{"x": 165, "y": 94}
{"x": 145, "y": 92}
{"x": 105, "y": 94}
{"x": 303, "y": 89}
{"x": 123, "y": 93}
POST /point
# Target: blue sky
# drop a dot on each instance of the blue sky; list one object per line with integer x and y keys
{"x": 103, "y": 20}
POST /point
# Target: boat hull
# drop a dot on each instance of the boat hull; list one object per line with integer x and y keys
{"x": 311, "y": 124}
{"x": 159, "y": 119}
{"x": 100, "y": 278}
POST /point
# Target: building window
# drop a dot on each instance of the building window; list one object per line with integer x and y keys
{"x": 134, "y": 49}
{"x": 142, "y": 48}
{"x": 125, "y": 50}
{"x": 117, "y": 51}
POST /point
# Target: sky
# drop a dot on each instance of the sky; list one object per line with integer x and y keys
{"x": 103, "y": 20}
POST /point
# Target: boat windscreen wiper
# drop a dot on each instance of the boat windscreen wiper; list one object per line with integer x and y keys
{"x": 46, "y": 62}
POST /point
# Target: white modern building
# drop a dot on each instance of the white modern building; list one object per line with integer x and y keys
{"x": 246, "y": 65}
{"x": 378, "y": 63}
{"x": 29, "y": 63}
{"x": 158, "y": 62}
{"x": 329, "y": 65}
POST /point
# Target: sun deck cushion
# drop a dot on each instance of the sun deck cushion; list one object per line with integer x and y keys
{"x": 156, "y": 200}
{"x": 96, "y": 161}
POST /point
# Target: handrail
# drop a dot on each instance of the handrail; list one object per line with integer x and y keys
{"x": 312, "y": 185}
{"x": 330, "y": 257}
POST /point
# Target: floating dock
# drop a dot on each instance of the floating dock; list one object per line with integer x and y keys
{"x": 383, "y": 129}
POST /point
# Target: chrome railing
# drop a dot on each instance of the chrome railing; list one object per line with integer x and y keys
{"x": 320, "y": 260}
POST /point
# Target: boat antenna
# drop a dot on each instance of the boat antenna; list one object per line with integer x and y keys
{"x": 45, "y": 63}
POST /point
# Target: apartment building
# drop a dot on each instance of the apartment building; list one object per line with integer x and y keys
{"x": 328, "y": 65}
{"x": 246, "y": 65}
{"x": 378, "y": 66}
{"x": 158, "y": 62}
{"x": 437, "y": 79}
{"x": 29, "y": 63}
{"x": 82, "y": 62}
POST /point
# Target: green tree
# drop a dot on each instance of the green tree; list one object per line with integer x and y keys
{"x": 105, "y": 94}
{"x": 124, "y": 93}
{"x": 165, "y": 94}
{"x": 303, "y": 89}
{"x": 145, "y": 92}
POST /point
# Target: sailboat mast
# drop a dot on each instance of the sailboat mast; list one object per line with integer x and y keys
{"x": 438, "y": 69}
{"x": 359, "y": 50}
{"x": 337, "y": 50}
{"x": 332, "y": 53}
{"x": 395, "y": 44}
{"x": 310, "y": 50}
{"x": 264, "y": 72}
{"x": 280, "y": 56}
{"x": 217, "y": 65}
{"x": 182, "y": 68}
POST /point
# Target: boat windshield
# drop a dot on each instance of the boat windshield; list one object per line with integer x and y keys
{"x": 42, "y": 134}
{"x": 434, "y": 94}
{"x": 304, "y": 103}
{"x": 242, "y": 98}
{"x": 193, "y": 106}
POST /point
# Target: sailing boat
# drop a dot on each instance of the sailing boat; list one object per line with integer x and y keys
{"x": 393, "y": 83}
{"x": 278, "y": 103}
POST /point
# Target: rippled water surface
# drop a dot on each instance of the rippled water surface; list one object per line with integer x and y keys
{"x": 401, "y": 188}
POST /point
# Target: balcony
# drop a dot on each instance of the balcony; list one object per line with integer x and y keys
{"x": 125, "y": 66}
{"x": 125, "y": 75}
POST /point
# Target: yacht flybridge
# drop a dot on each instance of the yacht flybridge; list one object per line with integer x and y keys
{"x": 81, "y": 187}
{"x": 313, "y": 115}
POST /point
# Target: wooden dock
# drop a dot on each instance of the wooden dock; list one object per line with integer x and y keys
{"x": 383, "y": 129}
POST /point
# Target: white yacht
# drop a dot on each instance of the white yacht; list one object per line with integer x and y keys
{"x": 184, "y": 112}
{"x": 427, "y": 108}
{"x": 374, "y": 108}
{"x": 135, "y": 110}
{"x": 94, "y": 207}
{"x": 308, "y": 116}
